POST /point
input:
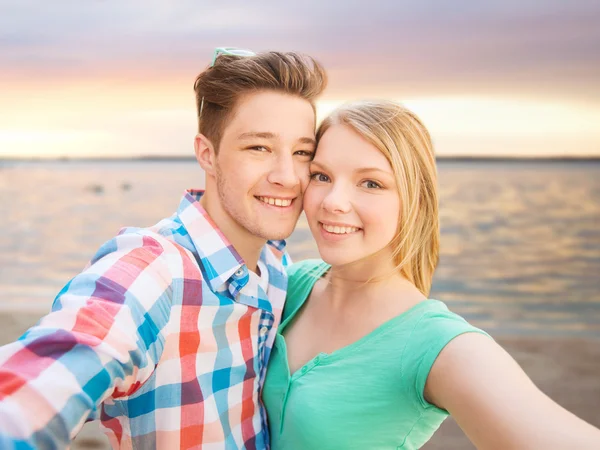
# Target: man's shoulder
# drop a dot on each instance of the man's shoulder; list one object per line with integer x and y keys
{"x": 167, "y": 228}
{"x": 166, "y": 237}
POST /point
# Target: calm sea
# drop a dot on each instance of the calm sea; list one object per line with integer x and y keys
{"x": 520, "y": 247}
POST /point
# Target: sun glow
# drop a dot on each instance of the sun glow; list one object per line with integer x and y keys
{"x": 124, "y": 121}
{"x": 479, "y": 126}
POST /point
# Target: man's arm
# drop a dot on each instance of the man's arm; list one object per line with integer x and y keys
{"x": 496, "y": 404}
{"x": 103, "y": 339}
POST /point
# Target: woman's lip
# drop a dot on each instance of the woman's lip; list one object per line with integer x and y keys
{"x": 337, "y": 224}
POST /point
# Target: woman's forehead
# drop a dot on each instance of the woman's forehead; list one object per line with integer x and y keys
{"x": 342, "y": 148}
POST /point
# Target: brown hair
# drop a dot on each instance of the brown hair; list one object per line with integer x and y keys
{"x": 219, "y": 87}
{"x": 405, "y": 142}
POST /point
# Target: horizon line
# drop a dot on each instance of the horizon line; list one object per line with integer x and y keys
{"x": 184, "y": 158}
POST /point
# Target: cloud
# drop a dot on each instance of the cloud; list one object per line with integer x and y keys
{"x": 403, "y": 46}
{"x": 109, "y": 77}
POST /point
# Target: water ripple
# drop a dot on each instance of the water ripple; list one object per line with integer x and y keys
{"x": 520, "y": 249}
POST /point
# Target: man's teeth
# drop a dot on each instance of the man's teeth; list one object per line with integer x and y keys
{"x": 339, "y": 230}
{"x": 275, "y": 201}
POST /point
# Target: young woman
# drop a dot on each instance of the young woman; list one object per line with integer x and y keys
{"x": 363, "y": 359}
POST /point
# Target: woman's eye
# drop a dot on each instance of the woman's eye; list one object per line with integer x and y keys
{"x": 369, "y": 184}
{"x": 318, "y": 176}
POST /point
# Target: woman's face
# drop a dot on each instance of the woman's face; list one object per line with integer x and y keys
{"x": 351, "y": 203}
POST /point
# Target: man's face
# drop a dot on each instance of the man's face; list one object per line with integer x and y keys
{"x": 262, "y": 162}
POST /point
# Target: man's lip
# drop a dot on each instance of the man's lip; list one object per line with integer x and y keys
{"x": 277, "y": 197}
{"x": 290, "y": 206}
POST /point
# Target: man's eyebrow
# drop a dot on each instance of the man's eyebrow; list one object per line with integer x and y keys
{"x": 307, "y": 140}
{"x": 258, "y": 134}
{"x": 269, "y": 135}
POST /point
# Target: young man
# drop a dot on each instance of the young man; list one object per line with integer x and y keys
{"x": 166, "y": 335}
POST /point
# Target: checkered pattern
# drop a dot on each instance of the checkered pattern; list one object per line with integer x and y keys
{"x": 164, "y": 337}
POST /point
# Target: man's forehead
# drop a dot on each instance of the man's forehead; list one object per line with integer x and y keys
{"x": 272, "y": 115}
{"x": 268, "y": 106}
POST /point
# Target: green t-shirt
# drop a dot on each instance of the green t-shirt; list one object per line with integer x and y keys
{"x": 367, "y": 395}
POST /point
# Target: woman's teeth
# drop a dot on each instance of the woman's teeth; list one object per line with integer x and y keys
{"x": 339, "y": 230}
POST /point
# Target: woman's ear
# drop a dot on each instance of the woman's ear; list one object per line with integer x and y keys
{"x": 205, "y": 153}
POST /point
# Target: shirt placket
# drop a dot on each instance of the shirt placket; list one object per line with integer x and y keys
{"x": 253, "y": 296}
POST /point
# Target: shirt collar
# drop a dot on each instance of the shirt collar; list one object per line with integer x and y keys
{"x": 221, "y": 263}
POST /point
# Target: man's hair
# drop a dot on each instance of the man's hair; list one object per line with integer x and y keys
{"x": 219, "y": 87}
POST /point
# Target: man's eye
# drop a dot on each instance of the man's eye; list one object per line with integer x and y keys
{"x": 318, "y": 176}
{"x": 259, "y": 148}
{"x": 370, "y": 184}
{"x": 308, "y": 153}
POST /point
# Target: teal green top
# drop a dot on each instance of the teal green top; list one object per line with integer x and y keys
{"x": 367, "y": 395}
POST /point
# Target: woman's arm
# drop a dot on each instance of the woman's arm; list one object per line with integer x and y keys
{"x": 496, "y": 404}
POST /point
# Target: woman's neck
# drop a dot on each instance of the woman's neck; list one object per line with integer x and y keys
{"x": 367, "y": 281}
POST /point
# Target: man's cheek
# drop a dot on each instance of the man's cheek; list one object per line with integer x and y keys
{"x": 304, "y": 176}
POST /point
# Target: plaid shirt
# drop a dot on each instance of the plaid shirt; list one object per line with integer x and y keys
{"x": 165, "y": 337}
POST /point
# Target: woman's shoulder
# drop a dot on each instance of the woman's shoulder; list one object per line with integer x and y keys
{"x": 435, "y": 319}
{"x": 431, "y": 330}
{"x": 430, "y": 327}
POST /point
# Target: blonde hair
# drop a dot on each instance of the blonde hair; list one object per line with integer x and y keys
{"x": 219, "y": 87}
{"x": 405, "y": 142}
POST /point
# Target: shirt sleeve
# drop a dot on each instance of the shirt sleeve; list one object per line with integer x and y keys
{"x": 435, "y": 329}
{"x": 103, "y": 338}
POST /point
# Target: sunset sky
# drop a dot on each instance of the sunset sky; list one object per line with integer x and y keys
{"x": 114, "y": 78}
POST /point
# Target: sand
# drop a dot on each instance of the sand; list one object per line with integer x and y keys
{"x": 567, "y": 369}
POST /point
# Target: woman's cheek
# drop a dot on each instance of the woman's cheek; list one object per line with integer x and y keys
{"x": 380, "y": 213}
{"x": 311, "y": 201}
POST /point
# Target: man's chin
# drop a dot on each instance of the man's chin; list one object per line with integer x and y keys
{"x": 276, "y": 236}
{"x": 273, "y": 234}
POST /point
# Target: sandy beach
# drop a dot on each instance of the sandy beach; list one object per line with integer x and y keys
{"x": 567, "y": 369}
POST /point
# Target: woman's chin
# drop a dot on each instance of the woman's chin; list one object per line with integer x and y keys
{"x": 336, "y": 258}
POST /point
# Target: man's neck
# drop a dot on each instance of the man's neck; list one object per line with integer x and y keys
{"x": 247, "y": 245}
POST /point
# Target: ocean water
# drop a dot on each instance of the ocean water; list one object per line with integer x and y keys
{"x": 520, "y": 249}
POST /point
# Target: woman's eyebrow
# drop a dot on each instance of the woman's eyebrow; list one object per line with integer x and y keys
{"x": 321, "y": 165}
{"x": 359, "y": 171}
{"x": 372, "y": 169}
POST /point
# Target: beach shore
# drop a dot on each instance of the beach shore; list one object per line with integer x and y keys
{"x": 566, "y": 369}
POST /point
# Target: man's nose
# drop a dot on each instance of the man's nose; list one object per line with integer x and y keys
{"x": 284, "y": 172}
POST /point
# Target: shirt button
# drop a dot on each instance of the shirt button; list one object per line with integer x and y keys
{"x": 263, "y": 331}
{"x": 239, "y": 272}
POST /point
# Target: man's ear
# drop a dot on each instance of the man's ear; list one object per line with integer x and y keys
{"x": 205, "y": 153}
